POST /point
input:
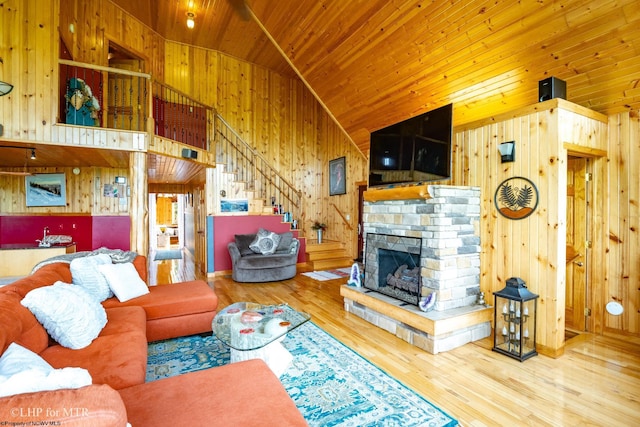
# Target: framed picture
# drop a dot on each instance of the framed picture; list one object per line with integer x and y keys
{"x": 46, "y": 189}
{"x": 234, "y": 205}
{"x": 337, "y": 177}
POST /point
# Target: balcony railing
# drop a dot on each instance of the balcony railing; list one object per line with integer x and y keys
{"x": 180, "y": 118}
{"x": 92, "y": 95}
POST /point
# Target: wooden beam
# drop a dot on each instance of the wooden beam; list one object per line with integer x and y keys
{"x": 397, "y": 193}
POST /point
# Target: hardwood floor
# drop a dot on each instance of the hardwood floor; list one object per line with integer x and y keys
{"x": 595, "y": 383}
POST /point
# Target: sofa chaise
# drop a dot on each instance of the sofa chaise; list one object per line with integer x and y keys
{"x": 253, "y": 264}
{"x": 242, "y": 393}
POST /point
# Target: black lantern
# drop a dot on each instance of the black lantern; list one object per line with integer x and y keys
{"x": 514, "y": 320}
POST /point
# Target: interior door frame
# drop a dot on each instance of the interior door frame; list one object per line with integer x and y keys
{"x": 577, "y": 268}
{"x": 596, "y": 270}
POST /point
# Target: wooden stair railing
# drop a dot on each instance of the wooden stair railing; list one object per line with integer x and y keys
{"x": 252, "y": 169}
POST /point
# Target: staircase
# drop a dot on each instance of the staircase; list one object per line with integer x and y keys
{"x": 327, "y": 255}
{"x": 252, "y": 176}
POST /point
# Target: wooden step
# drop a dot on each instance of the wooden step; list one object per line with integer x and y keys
{"x": 327, "y": 255}
{"x": 328, "y": 264}
{"x": 320, "y": 255}
{"x": 326, "y": 245}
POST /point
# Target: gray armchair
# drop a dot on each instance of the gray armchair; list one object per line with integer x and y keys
{"x": 249, "y": 266}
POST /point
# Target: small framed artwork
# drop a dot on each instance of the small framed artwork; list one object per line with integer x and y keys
{"x": 234, "y": 205}
{"x": 337, "y": 177}
{"x": 46, "y": 189}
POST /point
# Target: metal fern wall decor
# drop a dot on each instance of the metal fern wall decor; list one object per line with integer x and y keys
{"x": 516, "y": 198}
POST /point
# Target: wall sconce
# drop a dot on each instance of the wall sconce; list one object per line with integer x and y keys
{"x": 191, "y": 20}
{"x": 507, "y": 151}
{"x": 33, "y": 154}
{"x": 5, "y": 88}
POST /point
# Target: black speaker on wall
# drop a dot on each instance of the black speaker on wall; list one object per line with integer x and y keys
{"x": 552, "y": 88}
{"x": 189, "y": 154}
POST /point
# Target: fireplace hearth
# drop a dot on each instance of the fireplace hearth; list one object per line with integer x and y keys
{"x": 416, "y": 247}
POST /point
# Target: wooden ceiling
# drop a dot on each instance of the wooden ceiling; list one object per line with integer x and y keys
{"x": 59, "y": 156}
{"x": 162, "y": 170}
{"x": 372, "y": 63}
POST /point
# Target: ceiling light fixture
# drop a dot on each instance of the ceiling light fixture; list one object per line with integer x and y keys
{"x": 33, "y": 149}
{"x": 5, "y": 88}
{"x": 191, "y": 20}
{"x": 32, "y": 157}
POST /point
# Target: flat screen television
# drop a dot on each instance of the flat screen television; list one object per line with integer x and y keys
{"x": 415, "y": 150}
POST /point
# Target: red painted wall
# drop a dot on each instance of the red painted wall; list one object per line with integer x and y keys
{"x": 88, "y": 232}
{"x": 226, "y": 227}
{"x": 111, "y": 232}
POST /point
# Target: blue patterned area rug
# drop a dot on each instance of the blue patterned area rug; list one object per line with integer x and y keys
{"x": 330, "y": 383}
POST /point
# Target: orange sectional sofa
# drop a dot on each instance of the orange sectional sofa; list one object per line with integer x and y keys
{"x": 245, "y": 393}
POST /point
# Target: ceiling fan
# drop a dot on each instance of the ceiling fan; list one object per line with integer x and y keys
{"x": 241, "y": 8}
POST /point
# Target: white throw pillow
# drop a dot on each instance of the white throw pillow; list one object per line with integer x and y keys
{"x": 71, "y": 316}
{"x": 23, "y": 371}
{"x": 85, "y": 273}
{"x": 124, "y": 281}
{"x": 265, "y": 243}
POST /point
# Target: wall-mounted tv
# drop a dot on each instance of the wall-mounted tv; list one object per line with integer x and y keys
{"x": 415, "y": 150}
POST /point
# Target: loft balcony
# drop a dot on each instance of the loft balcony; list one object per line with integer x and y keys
{"x": 115, "y": 108}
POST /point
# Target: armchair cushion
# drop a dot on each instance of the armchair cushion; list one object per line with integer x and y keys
{"x": 285, "y": 242}
{"x": 243, "y": 241}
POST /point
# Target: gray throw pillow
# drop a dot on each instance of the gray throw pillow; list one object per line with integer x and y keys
{"x": 243, "y": 241}
{"x": 285, "y": 242}
{"x": 265, "y": 243}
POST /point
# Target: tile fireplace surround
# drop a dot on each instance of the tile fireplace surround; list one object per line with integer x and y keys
{"x": 447, "y": 220}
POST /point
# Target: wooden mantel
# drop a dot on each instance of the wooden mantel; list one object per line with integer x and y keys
{"x": 420, "y": 191}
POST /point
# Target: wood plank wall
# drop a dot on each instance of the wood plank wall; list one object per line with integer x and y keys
{"x": 622, "y": 245}
{"x": 280, "y": 118}
{"x": 85, "y": 193}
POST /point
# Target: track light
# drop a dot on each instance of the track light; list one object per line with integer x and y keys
{"x": 33, "y": 150}
{"x": 191, "y": 20}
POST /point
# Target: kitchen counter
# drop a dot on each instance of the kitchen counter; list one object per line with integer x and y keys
{"x": 18, "y": 259}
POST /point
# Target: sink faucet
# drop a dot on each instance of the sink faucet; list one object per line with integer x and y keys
{"x": 44, "y": 243}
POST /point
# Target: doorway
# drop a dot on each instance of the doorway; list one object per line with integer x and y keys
{"x": 578, "y": 238}
{"x": 166, "y": 221}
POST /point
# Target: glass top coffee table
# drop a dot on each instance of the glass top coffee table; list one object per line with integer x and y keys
{"x": 255, "y": 331}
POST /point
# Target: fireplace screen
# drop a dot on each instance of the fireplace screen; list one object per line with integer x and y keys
{"x": 392, "y": 266}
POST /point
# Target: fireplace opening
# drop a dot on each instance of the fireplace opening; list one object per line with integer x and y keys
{"x": 392, "y": 267}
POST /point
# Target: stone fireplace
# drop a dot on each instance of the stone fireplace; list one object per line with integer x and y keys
{"x": 437, "y": 233}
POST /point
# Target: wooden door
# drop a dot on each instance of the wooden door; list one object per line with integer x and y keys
{"x": 200, "y": 217}
{"x": 577, "y": 237}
